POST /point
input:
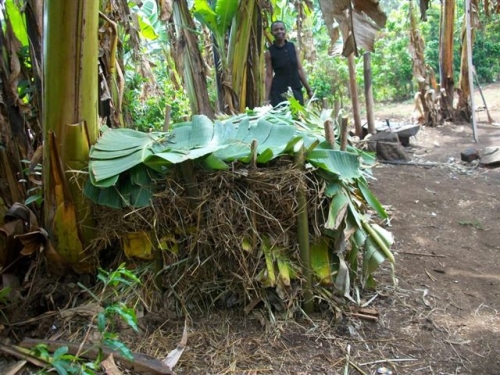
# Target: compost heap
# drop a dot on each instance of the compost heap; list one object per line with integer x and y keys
{"x": 217, "y": 206}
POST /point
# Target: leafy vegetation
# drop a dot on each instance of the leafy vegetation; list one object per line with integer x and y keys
{"x": 64, "y": 362}
{"x": 391, "y": 62}
{"x": 475, "y": 223}
{"x": 328, "y": 75}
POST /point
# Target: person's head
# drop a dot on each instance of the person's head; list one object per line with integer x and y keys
{"x": 278, "y": 30}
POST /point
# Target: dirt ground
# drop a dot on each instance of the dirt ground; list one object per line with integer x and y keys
{"x": 445, "y": 309}
{"x": 439, "y": 315}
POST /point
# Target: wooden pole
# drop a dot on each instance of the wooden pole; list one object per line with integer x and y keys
{"x": 336, "y": 107}
{"x": 370, "y": 117}
{"x": 343, "y": 134}
{"x": 446, "y": 57}
{"x": 329, "y": 135}
{"x": 354, "y": 95}
{"x": 469, "y": 58}
{"x": 490, "y": 119}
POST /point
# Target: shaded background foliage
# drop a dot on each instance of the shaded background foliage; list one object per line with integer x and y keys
{"x": 391, "y": 60}
{"x": 328, "y": 74}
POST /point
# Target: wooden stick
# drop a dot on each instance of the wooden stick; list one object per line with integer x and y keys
{"x": 370, "y": 117}
{"x": 421, "y": 254}
{"x": 15, "y": 352}
{"x": 140, "y": 363}
{"x": 415, "y": 164}
{"x": 490, "y": 119}
{"x": 330, "y": 138}
{"x": 253, "y": 151}
{"x": 468, "y": 36}
{"x": 357, "y": 368}
{"x": 430, "y": 276}
{"x": 303, "y": 236}
{"x": 343, "y": 134}
{"x": 364, "y": 316}
{"x": 14, "y": 369}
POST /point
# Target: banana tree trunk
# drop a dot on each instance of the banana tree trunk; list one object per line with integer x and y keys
{"x": 305, "y": 15}
{"x": 188, "y": 59}
{"x": 421, "y": 73}
{"x": 254, "y": 94}
{"x": 446, "y": 58}
{"x": 370, "y": 115}
{"x": 354, "y": 95}
{"x": 34, "y": 25}
{"x": 111, "y": 75}
{"x": 464, "y": 105}
{"x": 245, "y": 56}
{"x": 70, "y": 122}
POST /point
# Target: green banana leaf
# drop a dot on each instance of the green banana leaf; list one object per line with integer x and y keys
{"x": 337, "y": 210}
{"x": 344, "y": 164}
{"x": 383, "y": 234}
{"x": 225, "y": 11}
{"x": 204, "y": 13}
{"x": 371, "y": 199}
{"x": 128, "y": 190}
{"x": 17, "y": 20}
{"x": 372, "y": 258}
{"x": 214, "y": 144}
{"x": 104, "y": 169}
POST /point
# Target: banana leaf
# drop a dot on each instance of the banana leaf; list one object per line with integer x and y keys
{"x": 124, "y": 163}
{"x": 17, "y": 21}
{"x": 371, "y": 199}
{"x": 104, "y": 169}
{"x": 344, "y": 164}
{"x": 204, "y": 13}
{"x": 225, "y": 11}
{"x": 337, "y": 210}
{"x": 372, "y": 258}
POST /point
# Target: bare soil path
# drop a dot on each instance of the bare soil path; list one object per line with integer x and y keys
{"x": 451, "y": 213}
{"x": 448, "y": 297}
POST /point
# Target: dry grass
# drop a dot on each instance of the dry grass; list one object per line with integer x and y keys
{"x": 208, "y": 221}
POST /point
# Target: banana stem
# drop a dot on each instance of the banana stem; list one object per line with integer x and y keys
{"x": 303, "y": 237}
{"x": 379, "y": 242}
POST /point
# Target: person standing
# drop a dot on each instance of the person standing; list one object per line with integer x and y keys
{"x": 284, "y": 69}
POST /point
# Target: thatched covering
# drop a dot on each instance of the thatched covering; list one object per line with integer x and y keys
{"x": 213, "y": 239}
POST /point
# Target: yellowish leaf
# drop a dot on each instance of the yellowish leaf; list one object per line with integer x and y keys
{"x": 138, "y": 245}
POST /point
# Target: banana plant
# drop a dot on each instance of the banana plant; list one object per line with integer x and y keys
{"x": 70, "y": 123}
{"x": 218, "y": 19}
{"x": 357, "y": 20}
{"x": 245, "y": 55}
{"x": 188, "y": 58}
